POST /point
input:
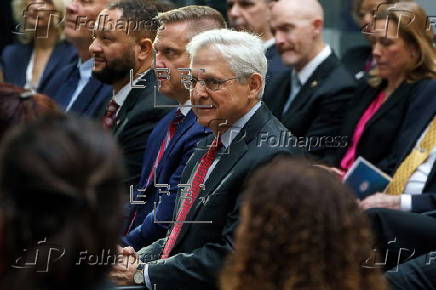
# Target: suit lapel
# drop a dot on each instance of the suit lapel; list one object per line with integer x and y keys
{"x": 87, "y": 96}
{"x": 403, "y": 91}
{"x": 132, "y": 99}
{"x": 278, "y": 97}
{"x": 224, "y": 165}
{"x": 161, "y": 137}
{"x": 227, "y": 161}
{"x": 312, "y": 85}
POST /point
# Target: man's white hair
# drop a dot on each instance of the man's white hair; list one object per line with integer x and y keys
{"x": 243, "y": 51}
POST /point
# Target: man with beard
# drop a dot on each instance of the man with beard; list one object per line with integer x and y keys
{"x": 254, "y": 16}
{"x": 122, "y": 51}
{"x": 73, "y": 87}
{"x": 311, "y": 99}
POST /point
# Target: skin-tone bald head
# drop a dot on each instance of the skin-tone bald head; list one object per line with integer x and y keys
{"x": 297, "y": 26}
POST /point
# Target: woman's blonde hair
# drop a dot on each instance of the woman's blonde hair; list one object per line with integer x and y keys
{"x": 19, "y": 8}
{"x": 415, "y": 33}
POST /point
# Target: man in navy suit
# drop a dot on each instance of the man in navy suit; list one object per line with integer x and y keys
{"x": 175, "y": 151}
{"x": 73, "y": 87}
{"x": 254, "y": 16}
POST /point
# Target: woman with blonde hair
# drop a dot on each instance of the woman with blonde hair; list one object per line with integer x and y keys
{"x": 42, "y": 50}
{"x": 300, "y": 229}
{"x": 405, "y": 62}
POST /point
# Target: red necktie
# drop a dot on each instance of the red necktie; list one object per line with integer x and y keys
{"x": 186, "y": 204}
{"x": 109, "y": 117}
{"x": 172, "y": 128}
{"x": 178, "y": 118}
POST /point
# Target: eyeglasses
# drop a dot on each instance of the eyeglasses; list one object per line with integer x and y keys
{"x": 210, "y": 83}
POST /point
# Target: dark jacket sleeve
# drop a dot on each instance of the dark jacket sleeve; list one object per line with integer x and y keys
{"x": 199, "y": 267}
{"x": 416, "y": 274}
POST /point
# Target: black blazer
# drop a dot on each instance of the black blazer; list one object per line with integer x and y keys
{"x": 16, "y": 57}
{"x": 200, "y": 249}
{"x": 318, "y": 109}
{"x": 421, "y": 112}
{"x": 381, "y": 131}
{"x": 136, "y": 119}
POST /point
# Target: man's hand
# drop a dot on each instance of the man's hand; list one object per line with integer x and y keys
{"x": 122, "y": 273}
{"x": 381, "y": 200}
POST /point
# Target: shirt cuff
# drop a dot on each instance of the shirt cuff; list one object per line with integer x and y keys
{"x": 406, "y": 202}
{"x": 146, "y": 278}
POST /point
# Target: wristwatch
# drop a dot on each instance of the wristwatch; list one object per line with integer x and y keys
{"x": 138, "y": 277}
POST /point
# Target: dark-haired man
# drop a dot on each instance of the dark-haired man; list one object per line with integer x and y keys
{"x": 122, "y": 51}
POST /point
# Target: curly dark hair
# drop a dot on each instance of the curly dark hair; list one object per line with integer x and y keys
{"x": 300, "y": 229}
{"x": 61, "y": 184}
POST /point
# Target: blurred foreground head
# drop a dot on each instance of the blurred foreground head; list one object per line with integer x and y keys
{"x": 18, "y": 105}
{"x": 61, "y": 191}
{"x": 300, "y": 229}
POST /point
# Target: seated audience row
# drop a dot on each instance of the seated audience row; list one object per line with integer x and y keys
{"x": 187, "y": 175}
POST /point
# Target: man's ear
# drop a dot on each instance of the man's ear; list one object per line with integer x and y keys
{"x": 254, "y": 85}
{"x": 318, "y": 26}
{"x": 145, "y": 48}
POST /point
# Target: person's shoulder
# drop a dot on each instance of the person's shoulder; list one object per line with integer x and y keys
{"x": 273, "y": 137}
{"x": 15, "y": 50}
{"x": 339, "y": 78}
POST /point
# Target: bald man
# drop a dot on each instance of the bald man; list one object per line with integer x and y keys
{"x": 311, "y": 98}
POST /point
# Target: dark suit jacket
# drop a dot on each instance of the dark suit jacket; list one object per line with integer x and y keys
{"x": 275, "y": 63}
{"x": 135, "y": 121}
{"x": 415, "y": 274}
{"x": 421, "y": 112}
{"x": 91, "y": 100}
{"x": 200, "y": 249}
{"x": 400, "y": 236}
{"x": 188, "y": 133}
{"x": 356, "y": 58}
{"x": 16, "y": 57}
{"x": 318, "y": 109}
{"x": 381, "y": 131}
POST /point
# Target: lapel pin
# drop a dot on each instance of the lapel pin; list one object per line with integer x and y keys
{"x": 314, "y": 84}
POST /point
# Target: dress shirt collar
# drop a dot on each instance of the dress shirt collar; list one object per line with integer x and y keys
{"x": 308, "y": 70}
{"x": 122, "y": 94}
{"x": 267, "y": 44}
{"x": 85, "y": 68}
{"x": 228, "y": 136}
{"x": 185, "y": 108}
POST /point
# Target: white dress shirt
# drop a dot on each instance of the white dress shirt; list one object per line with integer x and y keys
{"x": 85, "y": 71}
{"x": 29, "y": 75}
